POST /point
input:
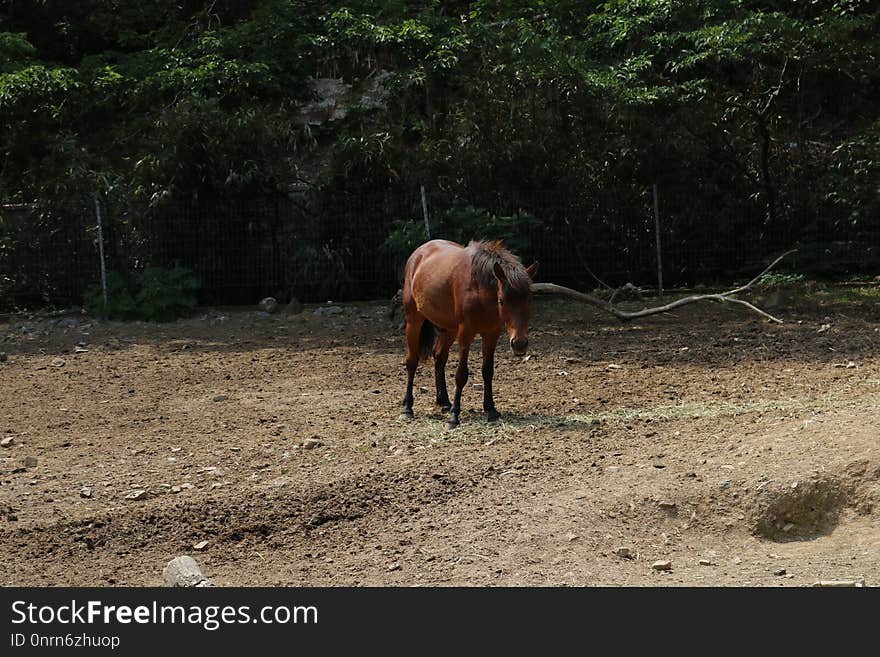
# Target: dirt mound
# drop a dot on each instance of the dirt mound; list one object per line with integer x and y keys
{"x": 813, "y": 505}
{"x": 802, "y": 511}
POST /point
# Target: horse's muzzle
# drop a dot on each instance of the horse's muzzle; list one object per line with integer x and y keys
{"x": 519, "y": 346}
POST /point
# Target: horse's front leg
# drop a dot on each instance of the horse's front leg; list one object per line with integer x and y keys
{"x": 489, "y": 344}
{"x": 465, "y": 338}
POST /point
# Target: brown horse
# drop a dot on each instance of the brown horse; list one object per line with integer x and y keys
{"x": 451, "y": 292}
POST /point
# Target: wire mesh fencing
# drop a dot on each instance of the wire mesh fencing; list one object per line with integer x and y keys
{"x": 352, "y": 245}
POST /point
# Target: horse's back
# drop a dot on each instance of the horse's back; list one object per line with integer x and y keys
{"x": 430, "y": 279}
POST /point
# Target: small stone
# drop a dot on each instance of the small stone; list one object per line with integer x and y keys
{"x": 201, "y": 545}
{"x": 787, "y": 527}
{"x": 7, "y": 442}
{"x": 614, "y": 366}
{"x": 184, "y": 572}
{"x": 327, "y": 310}
{"x": 186, "y": 486}
{"x": 572, "y": 537}
{"x": 394, "y": 566}
{"x": 80, "y": 350}
{"x": 705, "y": 562}
{"x": 311, "y": 443}
{"x": 662, "y": 565}
{"x": 269, "y": 305}
{"x": 139, "y": 494}
{"x": 737, "y": 561}
{"x": 612, "y": 468}
{"x": 724, "y": 485}
{"x": 85, "y": 491}
{"x": 779, "y": 572}
{"x": 29, "y": 461}
{"x": 57, "y": 362}
{"x": 666, "y": 505}
{"x": 623, "y": 552}
{"x": 219, "y": 398}
{"x": 176, "y": 489}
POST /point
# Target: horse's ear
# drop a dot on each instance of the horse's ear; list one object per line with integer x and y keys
{"x": 499, "y": 272}
{"x": 532, "y": 269}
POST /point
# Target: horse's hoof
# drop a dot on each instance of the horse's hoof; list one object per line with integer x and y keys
{"x": 406, "y": 415}
{"x": 493, "y": 415}
{"x": 452, "y": 425}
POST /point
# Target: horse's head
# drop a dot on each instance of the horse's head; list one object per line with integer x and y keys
{"x": 515, "y": 305}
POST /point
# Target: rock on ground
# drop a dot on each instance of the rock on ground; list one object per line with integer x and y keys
{"x": 183, "y": 571}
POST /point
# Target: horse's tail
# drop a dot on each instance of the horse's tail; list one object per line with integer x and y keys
{"x": 427, "y": 336}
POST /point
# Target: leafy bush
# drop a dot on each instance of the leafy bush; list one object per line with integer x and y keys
{"x": 774, "y": 281}
{"x": 320, "y": 272}
{"x": 156, "y": 294}
{"x": 837, "y": 260}
{"x": 462, "y": 225}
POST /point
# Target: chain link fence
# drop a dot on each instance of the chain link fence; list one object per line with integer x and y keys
{"x": 318, "y": 247}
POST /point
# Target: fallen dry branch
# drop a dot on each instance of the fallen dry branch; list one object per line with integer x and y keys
{"x": 622, "y": 315}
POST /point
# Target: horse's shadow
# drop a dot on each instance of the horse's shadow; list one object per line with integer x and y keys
{"x": 516, "y": 420}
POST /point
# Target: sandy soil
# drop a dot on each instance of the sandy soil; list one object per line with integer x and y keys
{"x": 733, "y": 448}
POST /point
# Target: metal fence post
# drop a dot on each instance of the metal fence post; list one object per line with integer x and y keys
{"x": 425, "y": 213}
{"x": 657, "y": 239}
{"x": 101, "y": 250}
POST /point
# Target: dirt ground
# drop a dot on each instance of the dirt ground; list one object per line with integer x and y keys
{"x": 744, "y": 453}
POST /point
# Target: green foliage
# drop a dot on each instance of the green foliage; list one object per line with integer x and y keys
{"x": 120, "y": 301}
{"x": 15, "y": 51}
{"x": 766, "y": 112}
{"x": 321, "y": 273}
{"x": 156, "y": 294}
{"x": 35, "y": 89}
{"x": 837, "y": 260}
{"x": 773, "y": 281}
{"x": 462, "y": 225}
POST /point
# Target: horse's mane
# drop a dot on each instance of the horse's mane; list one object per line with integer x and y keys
{"x": 485, "y": 255}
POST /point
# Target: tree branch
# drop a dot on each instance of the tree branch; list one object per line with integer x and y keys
{"x": 722, "y": 297}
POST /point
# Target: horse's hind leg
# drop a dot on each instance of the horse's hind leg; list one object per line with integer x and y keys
{"x": 441, "y": 355}
{"x": 414, "y": 323}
